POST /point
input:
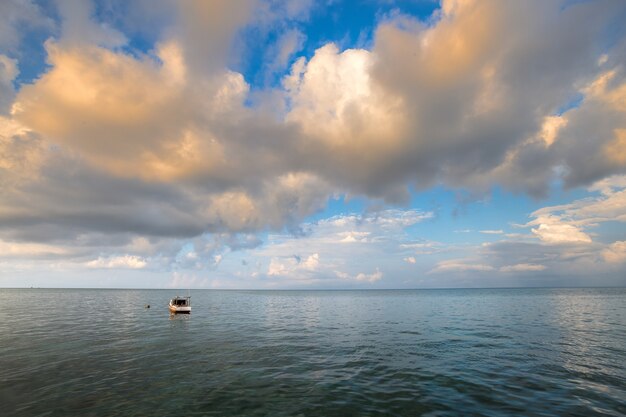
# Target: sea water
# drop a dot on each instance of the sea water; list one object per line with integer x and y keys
{"x": 491, "y": 352}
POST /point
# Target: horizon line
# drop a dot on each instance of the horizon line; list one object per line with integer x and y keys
{"x": 317, "y": 289}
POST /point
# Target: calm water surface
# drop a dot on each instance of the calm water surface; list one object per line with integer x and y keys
{"x": 306, "y": 353}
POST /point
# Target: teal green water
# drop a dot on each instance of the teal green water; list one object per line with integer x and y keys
{"x": 501, "y": 352}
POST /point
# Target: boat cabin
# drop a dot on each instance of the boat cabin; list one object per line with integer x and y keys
{"x": 181, "y": 301}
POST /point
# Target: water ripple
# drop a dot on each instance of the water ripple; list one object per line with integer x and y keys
{"x": 246, "y": 353}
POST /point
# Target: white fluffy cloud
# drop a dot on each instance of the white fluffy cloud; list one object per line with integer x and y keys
{"x": 551, "y": 230}
{"x": 293, "y": 266}
{"x": 566, "y": 223}
{"x": 353, "y": 127}
{"x": 361, "y": 276}
{"x": 118, "y": 262}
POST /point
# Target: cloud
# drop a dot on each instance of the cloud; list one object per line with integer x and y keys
{"x": 523, "y": 268}
{"x": 338, "y": 241}
{"x": 30, "y": 250}
{"x": 128, "y": 108}
{"x": 145, "y": 144}
{"x": 551, "y": 127}
{"x": 162, "y": 124}
{"x": 550, "y": 230}
{"x": 79, "y": 27}
{"x": 593, "y": 144}
{"x": 20, "y": 152}
{"x": 294, "y": 266}
{"x": 16, "y": 18}
{"x": 410, "y": 259}
{"x": 351, "y": 125}
{"x": 565, "y": 242}
{"x": 566, "y": 223}
{"x": 460, "y": 265}
{"x": 8, "y": 72}
{"x": 361, "y": 276}
{"x": 615, "y": 252}
{"x": 422, "y": 248}
{"x": 492, "y": 232}
{"x": 352, "y": 237}
{"x": 207, "y": 31}
{"x": 373, "y": 277}
{"x": 495, "y": 91}
{"x": 287, "y": 45}
{"x": 118, "y": 262}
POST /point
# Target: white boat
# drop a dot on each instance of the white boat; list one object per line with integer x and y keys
{"x": 180, "y": 305}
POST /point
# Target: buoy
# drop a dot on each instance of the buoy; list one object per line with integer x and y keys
{"x": 147, "y": 306}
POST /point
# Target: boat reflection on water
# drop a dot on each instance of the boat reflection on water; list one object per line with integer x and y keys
{"x": 183, "y": 318}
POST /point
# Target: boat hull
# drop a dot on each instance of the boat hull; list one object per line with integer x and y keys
{"x": 180, "y": 310}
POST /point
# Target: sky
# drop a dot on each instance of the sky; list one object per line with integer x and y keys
{"x": 301, "y": 144}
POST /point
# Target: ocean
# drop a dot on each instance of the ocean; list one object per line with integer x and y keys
{"x": 479, "y": 352}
